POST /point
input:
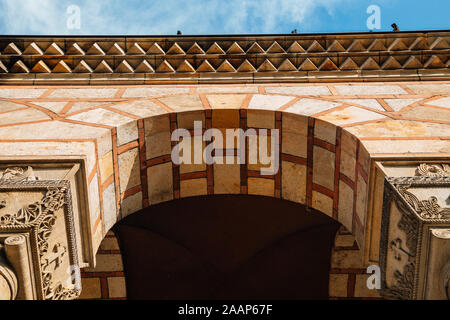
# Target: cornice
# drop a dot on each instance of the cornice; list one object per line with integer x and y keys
{"x": 225, "y": 59}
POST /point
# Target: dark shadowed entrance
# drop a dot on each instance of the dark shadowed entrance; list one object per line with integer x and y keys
{"x": 227, "y": 247}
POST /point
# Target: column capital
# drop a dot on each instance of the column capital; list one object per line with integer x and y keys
{"x": 415, "y": 233}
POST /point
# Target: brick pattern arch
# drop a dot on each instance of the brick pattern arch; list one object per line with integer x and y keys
{"x": 310, "y": 164}
{"x": 328, "y": 135}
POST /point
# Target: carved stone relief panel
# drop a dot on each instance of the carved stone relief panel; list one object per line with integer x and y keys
{"x": 71, "y": 169}
{"x": 399, "y": 168}
{"x": 412, "y": 257}
{"x": 38, "y": 233}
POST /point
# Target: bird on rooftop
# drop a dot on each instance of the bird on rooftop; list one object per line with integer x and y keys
{"x": 294, "y": 31}
{"x": 179, "y": 33}
{"x": 395, "y": 27}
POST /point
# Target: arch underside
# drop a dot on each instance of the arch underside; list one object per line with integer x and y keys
{"x": 329, "y": 133}
{"x": 226, "y": 247}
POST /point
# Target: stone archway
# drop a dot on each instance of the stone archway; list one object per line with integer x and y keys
{"x": 123, "y": 137}
{"x": 303, "y": 137}
{"x": 321, "y": 165}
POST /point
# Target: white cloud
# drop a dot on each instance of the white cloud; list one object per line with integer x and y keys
{"x": 159, "y": 17}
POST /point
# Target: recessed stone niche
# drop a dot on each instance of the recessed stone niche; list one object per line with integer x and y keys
{"x": 410, "y": 228}
{"x": 45, "y": 233}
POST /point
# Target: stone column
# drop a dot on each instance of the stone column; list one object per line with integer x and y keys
{"x": 17, "y": 255}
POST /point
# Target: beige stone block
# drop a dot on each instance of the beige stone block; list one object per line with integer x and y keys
{"x": 322, "y": 203}
{"x": 338, "y": 285}
{"x": 364, "y": 159}
{"x": 6, "y": 106}
{"x": 38, "y": 148}
{"x": 127, "y": 132}
{"x": 401, "y": 128}
{"x": 370, "y": 103}
{"x": 345, "y": 207}
{"x": 102, "y": 116}
{"x": 323, "y": 167}
{"x": 325, "y": 131}
{"x": 347, "y": 259}
{"x": 157, "y": 124}
{"x": 442, "y": 102}
{"x": 429, "y": 88}
{"x": 185, "y": 120}
{"x": 129, "y": 169}
{"x": 141, "y": 92}
{"x": 255, "y": 152}
{"x": 183, "y": 103}
{"x": 91, "y": 288}
{"x": 260, "y": 119}
{"x": 110, "y": 244}
{"x": 347, "y": 165}
{"x": 361, "y": 200}
{"x": 293, "y": 182}
{"x": 82, "y": 105}
{"x": 300, "y": 90}
{"x": 57, "y": 130}
{"x": 360, "y": 236}
{"x": 190, "y": 144}
{"x": 141, "y": 108}
{"x": 109, "y": 206}
{"x": 94, "y": 200}
{"x": 131, "y": 204}
{"x": 84, "y": 93}
{"x": 421, "y": 112}
{"x": 407, "y": 146}
{"x": 398, "y": 104}
{"x": 361, "y": 289}
{"x": 261, "y": 186}
{"x": 372, "y": 89}
{"x": 97, "y": 238}
{"x": 309, "y": 106}
{"x": 294, "y": 144}
{"x": 227, "y": 178}
{"x": 160, "y": 184}
{"x": 54, "y": 106}
{"x": 225, "y": 101}
{"x": 27, "y": 115}
{"x": 233, "y": 134}
{"x": 193, "y": 187}
{"x": 117, "y": 287}
{"x": 22, "y": 93}
{"x": 268, "y": 102}
{"x": 227, "y": 89}
{"x": 107, "y": 263}
{"x": 106, "y": 166}
{"x": 348, "y": 143}
{"x": 157, "y": 136}
{"x": 295, "y": 124}
{"x": 351, "y": 115}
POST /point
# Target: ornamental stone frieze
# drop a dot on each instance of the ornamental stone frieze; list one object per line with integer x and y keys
{"x": 226, "y": 59}
{"x": 415, "y": 235}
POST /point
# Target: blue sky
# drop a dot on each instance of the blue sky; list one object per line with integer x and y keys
{"x": 165, "y": 17}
